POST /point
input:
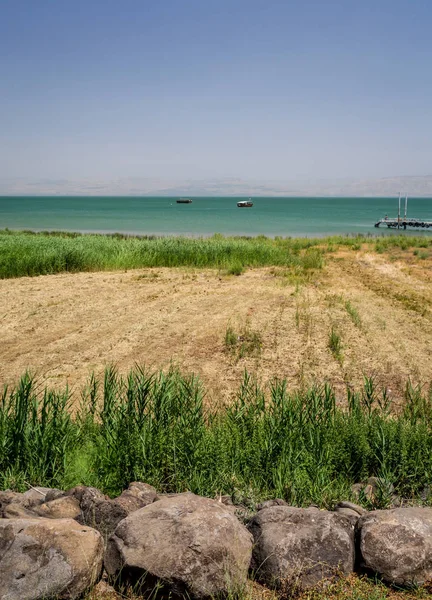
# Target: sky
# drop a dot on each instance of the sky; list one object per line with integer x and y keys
{"x": 185, "y": 89}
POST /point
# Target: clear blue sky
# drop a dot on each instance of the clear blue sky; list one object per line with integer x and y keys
{"x": 203, "y": 89}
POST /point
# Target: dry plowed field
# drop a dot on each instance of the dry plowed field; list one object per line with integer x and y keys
{"x": 379, "y": 307}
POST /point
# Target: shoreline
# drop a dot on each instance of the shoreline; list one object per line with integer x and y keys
{"x": 382, "y": 233}
{"x": 188, "y": 235}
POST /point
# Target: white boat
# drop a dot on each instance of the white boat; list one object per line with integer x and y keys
{"x": 245, "y": 203}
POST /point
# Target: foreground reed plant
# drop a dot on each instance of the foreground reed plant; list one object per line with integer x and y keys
{"x": 156, "y": 427}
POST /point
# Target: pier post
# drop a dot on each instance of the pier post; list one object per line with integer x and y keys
{"x": 399, "y": 211}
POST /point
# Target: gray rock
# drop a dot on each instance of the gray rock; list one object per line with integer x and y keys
{"x": 16, "y": 510}
{"x": 142, "y": 490}
{"x": 86, "y": 496}
{"x": 104, "y": 516}
{"x": 14, "y": 505}
{"x": 103, "y": 513}
{"x": 348, "y": 512}
{"x": 7, "y": 498}
{"x": 295, "y": 548}
{"x": 269, "y": 503}
{"x": 64, "y": 507}
{"x": 136, "y": 496}
{"x": 173, "y": 494}
{"x": 35, "y": 496}
{"x": 397, "y": 544}
{"x": 54, "y": 494}
{"x": 190, "y": 545}
{"x": 359, "y": 510}
{"x": 356, "y": 489}
{"x": 369, "y": 492}
{"x": 46, "y": 558}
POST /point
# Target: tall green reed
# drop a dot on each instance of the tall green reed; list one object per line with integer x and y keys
{"x": 23, "y": 253}
{"x": 36, "y": 430}
{"x": 158, "y": 427}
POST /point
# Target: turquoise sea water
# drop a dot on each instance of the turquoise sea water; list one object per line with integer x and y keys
{"x": 205, "y": 216}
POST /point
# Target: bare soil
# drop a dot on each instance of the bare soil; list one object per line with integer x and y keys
{"x": 64, "y": 327}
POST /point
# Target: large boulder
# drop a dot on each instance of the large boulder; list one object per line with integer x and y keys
{"x": 48, "y": 558}
{"x": 295, "y": 548}
{"x": 397, "y": 544}
{"x": 189, "y": 545}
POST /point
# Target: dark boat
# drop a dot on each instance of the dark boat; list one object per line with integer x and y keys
{"x": 184, "y": 201}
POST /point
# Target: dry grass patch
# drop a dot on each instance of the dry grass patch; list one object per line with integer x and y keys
{"x": 66, "y": 326}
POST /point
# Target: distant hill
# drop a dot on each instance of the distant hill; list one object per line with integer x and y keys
{"x": 420, "y": 186}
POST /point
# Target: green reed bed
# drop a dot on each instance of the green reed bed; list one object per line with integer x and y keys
{"x": 26, "y": 253}
{"x": 156, "y": 427}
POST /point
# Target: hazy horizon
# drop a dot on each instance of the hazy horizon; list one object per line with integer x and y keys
{"x": 385, "y": 187}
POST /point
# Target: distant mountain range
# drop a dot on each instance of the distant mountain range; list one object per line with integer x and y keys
{"x": 135, "y": 186}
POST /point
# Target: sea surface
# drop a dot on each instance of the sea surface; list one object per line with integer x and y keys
{"x": 206, "y": 216}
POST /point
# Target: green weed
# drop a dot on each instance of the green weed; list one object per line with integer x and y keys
{"x": 235, "y": 269}
{"x": 353, "y": 313}
{"x": 231, "y": 338}
{"x": 246, "y": 343}
{"x": 335, "y": 344}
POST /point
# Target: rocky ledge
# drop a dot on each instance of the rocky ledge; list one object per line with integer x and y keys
{"x": 56, "y": 544}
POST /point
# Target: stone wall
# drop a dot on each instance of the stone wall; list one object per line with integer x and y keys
{"x": 56, "y": 544}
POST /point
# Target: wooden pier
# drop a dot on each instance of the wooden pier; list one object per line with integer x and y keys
{"x": 404, "y": 223}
